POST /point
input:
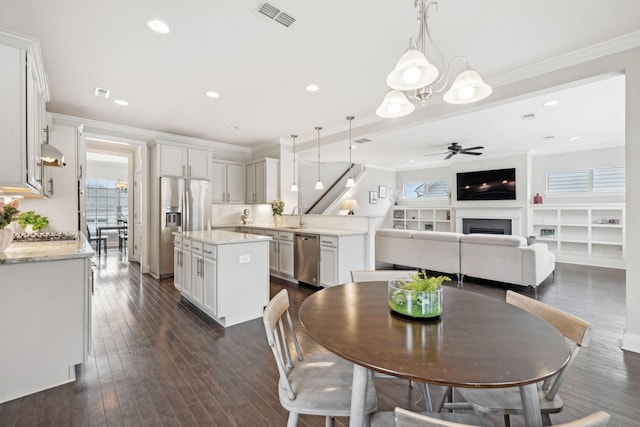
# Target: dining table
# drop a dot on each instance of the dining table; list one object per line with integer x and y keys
{"x": 101, "y": 228}
{"x": 477, "y": 341}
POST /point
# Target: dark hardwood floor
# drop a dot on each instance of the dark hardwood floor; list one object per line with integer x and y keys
{"x": 158, "y": 361}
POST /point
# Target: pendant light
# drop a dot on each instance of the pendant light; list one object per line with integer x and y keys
{"x": 319, "y": 185}
{"x": 294, "y": 187}
{"x": 350, "y": 181}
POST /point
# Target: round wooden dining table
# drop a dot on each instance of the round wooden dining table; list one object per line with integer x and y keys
{"x": 477, "y": 341}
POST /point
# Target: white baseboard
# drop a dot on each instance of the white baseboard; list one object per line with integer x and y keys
{"x": 631, "y": 342}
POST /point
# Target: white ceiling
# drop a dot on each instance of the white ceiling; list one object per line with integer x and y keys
{"x": 260, "y": 69}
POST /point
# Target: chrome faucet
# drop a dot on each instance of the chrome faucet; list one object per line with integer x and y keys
{"x": 299, "y": 214}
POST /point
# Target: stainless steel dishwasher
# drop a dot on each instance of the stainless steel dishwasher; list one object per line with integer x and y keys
{"x": 306, "y": 268}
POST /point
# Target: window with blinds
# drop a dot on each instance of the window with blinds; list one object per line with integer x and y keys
{"x": 586, "y": 181}
{"x": 426, "y": 190}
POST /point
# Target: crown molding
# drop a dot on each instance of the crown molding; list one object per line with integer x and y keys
{"x": 129, "y": 132}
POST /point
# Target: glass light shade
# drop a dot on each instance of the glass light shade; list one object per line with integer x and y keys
{"x": 466, "y": 88}
{"x": 294, "y": 187}
{"x": 319, "y": 186}
{"x": 395, "y": 104}
{"x": 350, "y": 182}
{"x": 412, "y": 71}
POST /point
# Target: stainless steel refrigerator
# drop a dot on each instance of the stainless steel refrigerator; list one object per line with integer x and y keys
{"x": 185, "y": 205}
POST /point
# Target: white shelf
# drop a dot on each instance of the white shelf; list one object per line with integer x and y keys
{"x": 429, "y": 219}
{"x": 581, "y": 234}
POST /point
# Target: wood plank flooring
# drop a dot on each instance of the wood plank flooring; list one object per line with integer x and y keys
{"x": 157, "y": 361}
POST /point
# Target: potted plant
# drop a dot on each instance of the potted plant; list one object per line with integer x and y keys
{"x": 31, "y": 221}
{"x": 420, "y": 296}
{"x": 277, "y": 207}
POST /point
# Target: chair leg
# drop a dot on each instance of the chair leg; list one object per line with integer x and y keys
{"x": 328, "y": 421}
{"x": 427, "y": 397}
{"x": 546, "y": 420}
{"x": 445, "y": 393}
{"x": 507, "y": 420}
{"x": 293, "y": 419}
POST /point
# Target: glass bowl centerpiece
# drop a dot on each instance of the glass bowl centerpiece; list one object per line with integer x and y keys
{"x": 419, "y": 296}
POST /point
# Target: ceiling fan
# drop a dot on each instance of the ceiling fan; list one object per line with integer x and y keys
{"x": 456, "y": 148}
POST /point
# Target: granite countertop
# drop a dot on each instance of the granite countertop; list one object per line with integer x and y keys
{"x": 222, "y": 237}
{"x": 307, "y": 230}
{"x": 20, "y": 252}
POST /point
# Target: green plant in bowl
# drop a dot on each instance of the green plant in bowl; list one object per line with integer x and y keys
{"x": 37, "y": 221}
{"x": 419, "y": 296}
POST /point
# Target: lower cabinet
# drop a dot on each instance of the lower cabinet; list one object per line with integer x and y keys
{"x": 186, "y": 267}
{"x": 338, "y": 256}
{"x": 197, "y": 272}
{"x": 280, "y": 253}
{"x": 177, "y": 263}
{"x": 209, "y": 269}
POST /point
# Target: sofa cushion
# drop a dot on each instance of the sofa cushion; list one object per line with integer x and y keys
{"x": 494, "y": 239}
{"x": 390, "y": 232}
{"x": 443, "y": 236}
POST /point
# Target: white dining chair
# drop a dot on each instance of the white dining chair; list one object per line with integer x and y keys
{"x": 507, "y": 401}
{"x": 405, "y": 418}
{"x": 402, "y": 417}
{"x": 316, "y": 384}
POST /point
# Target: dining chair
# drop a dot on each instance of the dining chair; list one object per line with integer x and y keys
{"x": 123, "y": 235}
{"x": 506, "y": 401}
{"x": 384, "y": 275}
{"x": 316, "y": 384}
{"x": 405, "y": 418}
{"x": 402, "y": 417}
{"x": 100, "y": 241}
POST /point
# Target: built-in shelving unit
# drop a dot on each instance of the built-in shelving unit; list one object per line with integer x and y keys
{"x": 410, "y": 218}
{"x": 592, "y": 235}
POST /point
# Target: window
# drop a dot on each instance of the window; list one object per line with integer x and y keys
{"x": 586, "y": 181}
{"x": 105, "y": 203}
{"x": 426, "y": 189}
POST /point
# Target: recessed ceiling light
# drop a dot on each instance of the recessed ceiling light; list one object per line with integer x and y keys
{"x": 233, "y": 127}
{"x": 312, "y": 87}
{"x": 212, "y": 94}
{"x": 121, "y": 102}
{"x": 158, "y": 26}
{"x": 353, "y": 147}
{"x": 412, "y": 161}
{"x": 551, "y": 103}
{"x": 574, "y": 138}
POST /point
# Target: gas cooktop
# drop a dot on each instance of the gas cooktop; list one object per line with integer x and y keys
{"x": 44, "y": 236}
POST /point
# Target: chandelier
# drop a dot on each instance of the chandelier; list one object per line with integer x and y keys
{"x": 415, "y": 79}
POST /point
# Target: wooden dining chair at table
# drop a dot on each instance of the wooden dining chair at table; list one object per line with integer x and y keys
{"x": 313, "y": 383}
{"x": 404, "y": 418}
{"x": 385, "y": 275}
{"x": 507, "y": 401}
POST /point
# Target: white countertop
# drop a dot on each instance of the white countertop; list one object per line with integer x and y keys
{"x": 19, "y": 252}
{"x": 222, "y": 237}
{"x": 310, "y": 230}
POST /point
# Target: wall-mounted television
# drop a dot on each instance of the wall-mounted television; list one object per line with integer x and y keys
{"x": 497, "y": 184}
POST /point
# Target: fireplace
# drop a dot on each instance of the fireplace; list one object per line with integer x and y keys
{"x": 486, "y": 226}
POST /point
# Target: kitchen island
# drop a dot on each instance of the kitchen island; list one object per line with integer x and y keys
{"x": 223, "y": 273}
{"x": 45, "y": 314}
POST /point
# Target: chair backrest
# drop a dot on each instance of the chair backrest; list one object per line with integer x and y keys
{"x": 279, "y": 337}
{"x": 406, "y": 418}
{"x": 572, "y": 327}
{"x": 374, "y": 275}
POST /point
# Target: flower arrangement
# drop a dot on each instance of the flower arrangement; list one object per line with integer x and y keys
{"x": 420, "y": 296}
{"x": 277, "y": 207}
{"x": 8, "y": 212}
{"x": 397, "y": 195}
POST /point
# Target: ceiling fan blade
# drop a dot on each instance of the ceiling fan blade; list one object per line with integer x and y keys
{"x": 435, "y": 154}
{"x": 478, "y": 147}
{"x": 471, "y": 152}
{"x": 449, "y": 156}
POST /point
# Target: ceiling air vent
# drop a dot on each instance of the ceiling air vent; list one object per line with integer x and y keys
{"x": 102, "y": 93}
{"x": 362, "y": 140}
{"x": 274, "y": 13}
{"x": 529, "y": 116}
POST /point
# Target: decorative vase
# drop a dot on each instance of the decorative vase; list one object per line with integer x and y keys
{"x": 277, "y": 220}
{"x": 414, "y": 304}
{"x": 6, "y": 237}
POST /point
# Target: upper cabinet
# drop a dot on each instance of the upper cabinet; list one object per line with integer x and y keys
{"x": 23, "y": 94}
{"x": 262, "y": 181}
{"x": 185, "y": 162}
{"x": 228, "y": 182}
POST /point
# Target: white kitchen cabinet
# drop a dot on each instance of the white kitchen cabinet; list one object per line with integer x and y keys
{"x": 197, "y": 272}
{"x": 185, "y": 162}
{"x": 210, "y": 278}
{"x": 262, "y": 181}
{"x": 338, "y": 256}
{"x": 186, "y": 267}
{"x": 24, "y": 91}
{"x": 228, "y": 182}
{"x": 280, "y": 253}
{"x": 177, "y": 263}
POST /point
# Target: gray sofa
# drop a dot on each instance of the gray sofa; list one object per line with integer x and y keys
{"x": 503, "y": 258}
